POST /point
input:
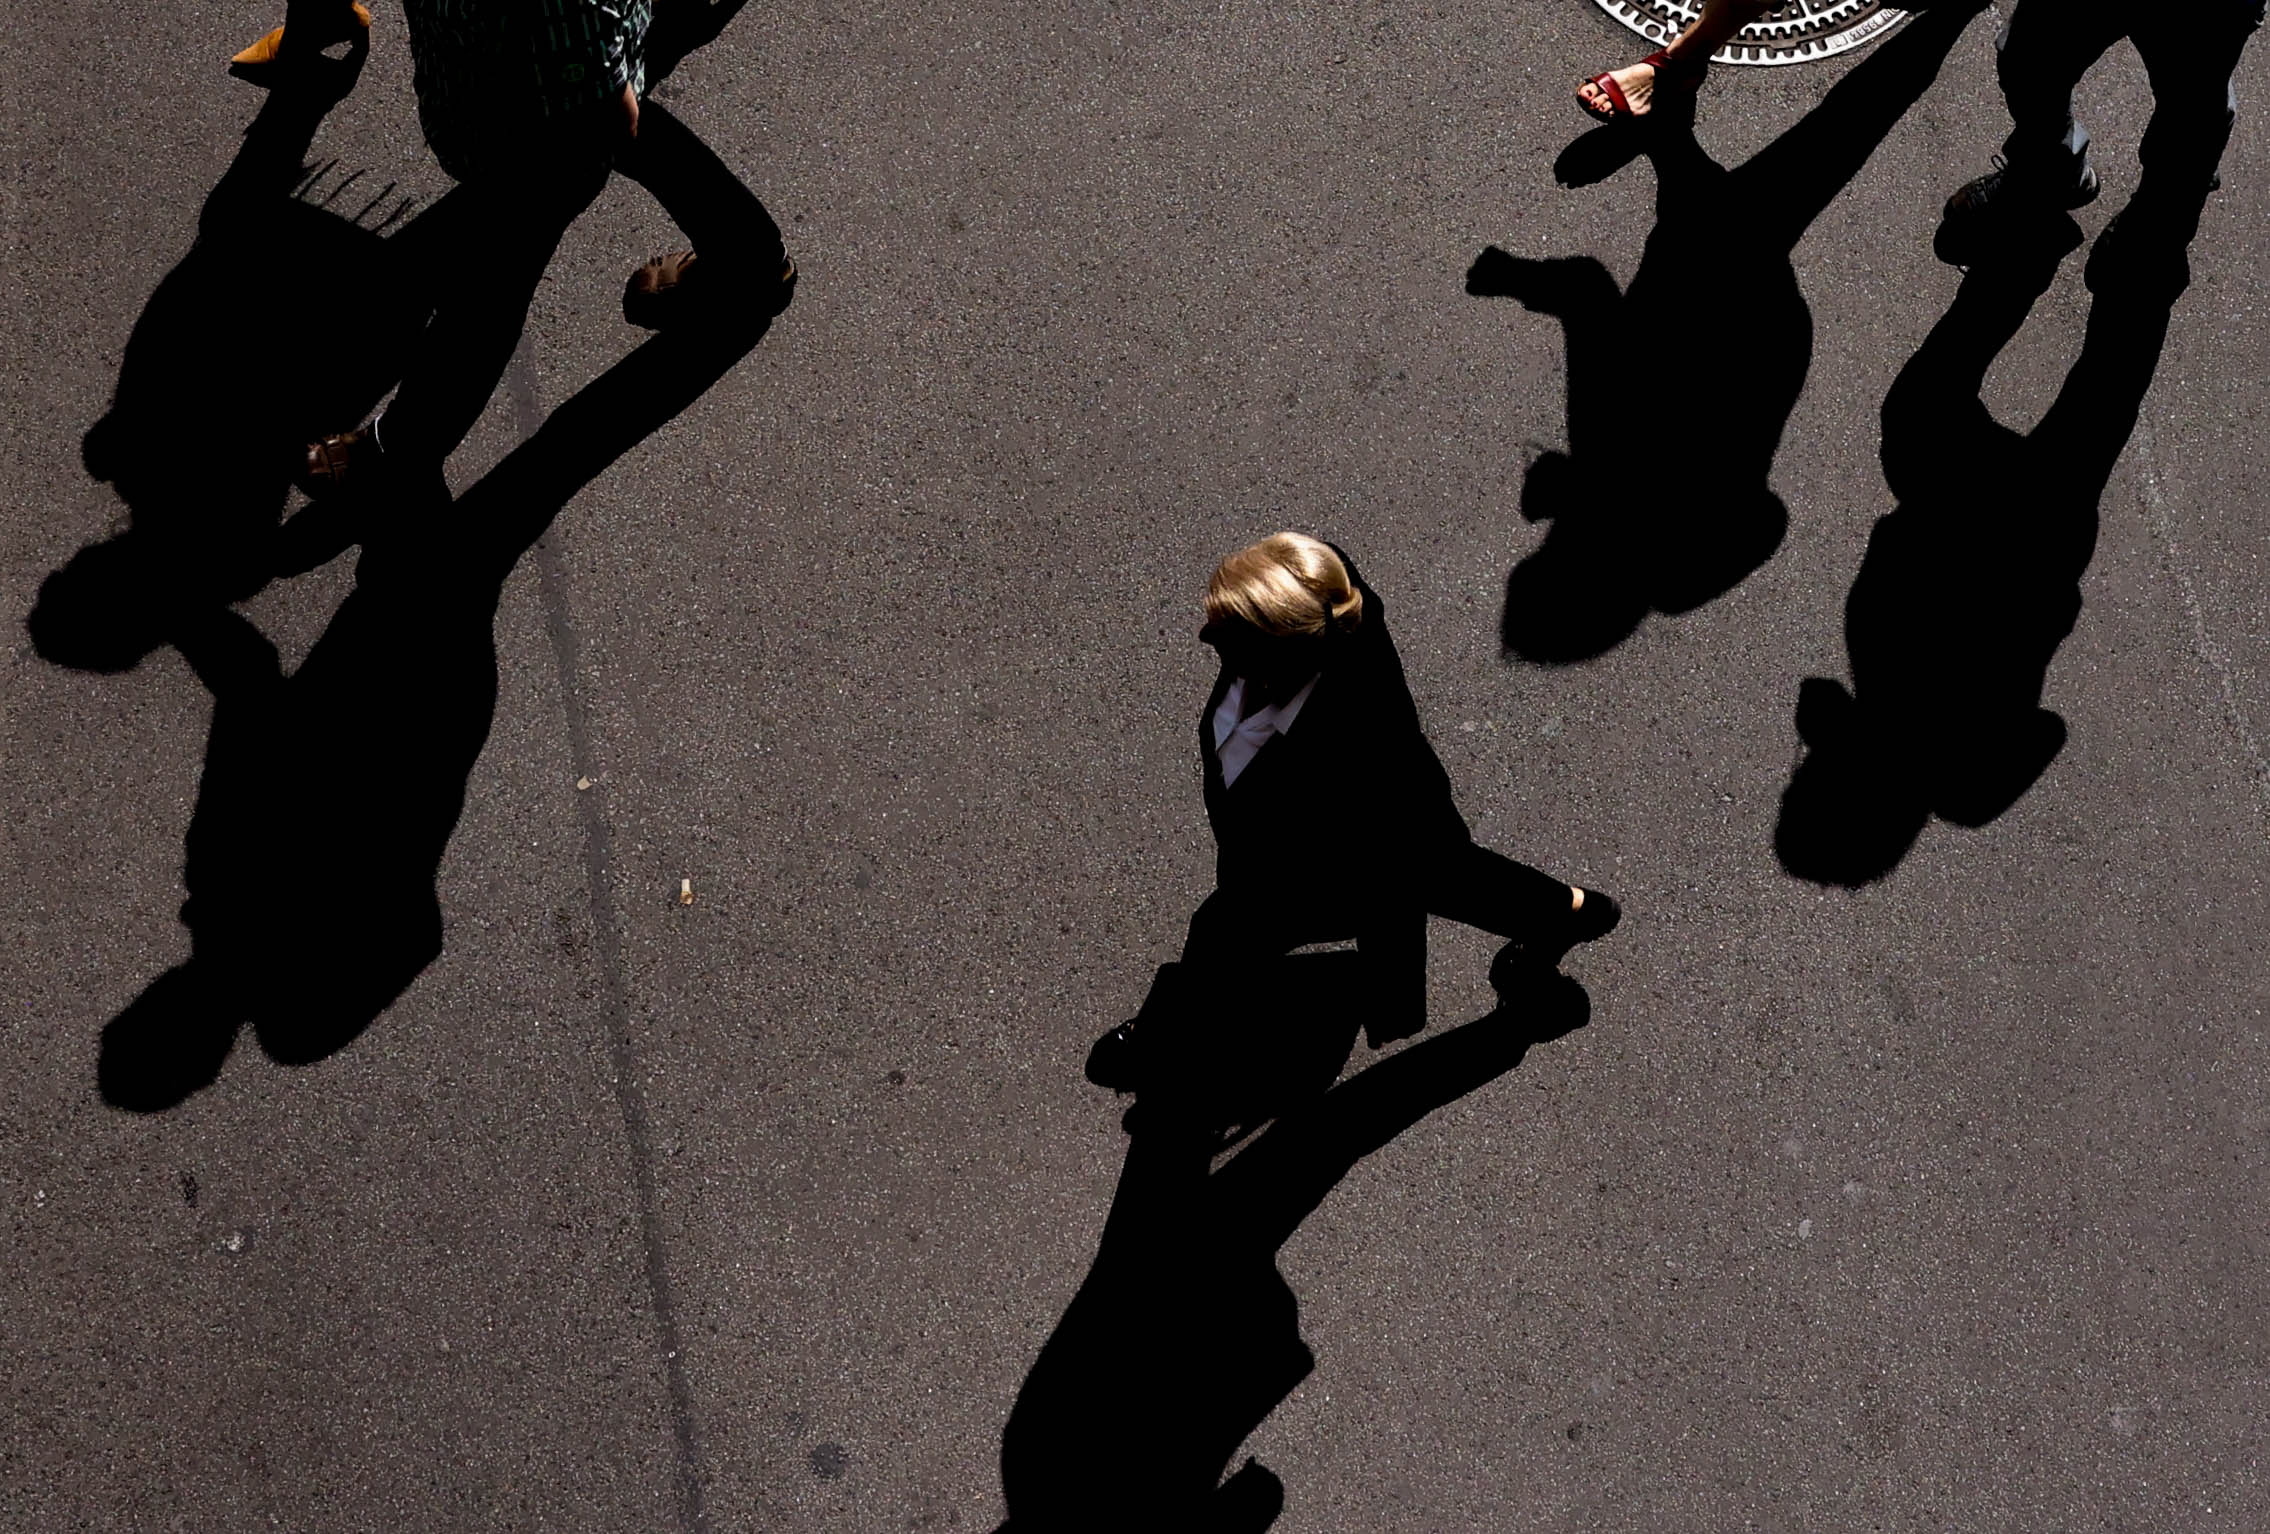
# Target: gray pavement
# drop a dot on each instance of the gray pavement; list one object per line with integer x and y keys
{"x": 1938, "y": 1204}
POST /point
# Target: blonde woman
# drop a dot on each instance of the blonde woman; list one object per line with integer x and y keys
{"x": 1332, "y": 817}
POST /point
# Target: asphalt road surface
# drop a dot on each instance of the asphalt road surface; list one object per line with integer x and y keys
{"x": 1892, "y": 1185}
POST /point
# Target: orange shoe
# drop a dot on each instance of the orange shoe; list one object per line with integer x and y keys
{"x": 260, "y": 62}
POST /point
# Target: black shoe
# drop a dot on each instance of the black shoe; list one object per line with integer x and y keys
{"x": 1979, "y": 210}
{"x": 2124, "y": 262}
{"x": 2140, "y": 252}
{"x": 1113, "y": 1061}
{"x": 1594, "y": 919}
{"x": 1525, "y": 958}
{"x": 677, "y": 290}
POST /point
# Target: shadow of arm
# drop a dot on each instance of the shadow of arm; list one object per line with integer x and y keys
{"x": 273, "y": 157}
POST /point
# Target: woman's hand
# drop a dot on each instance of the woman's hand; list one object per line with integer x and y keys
{"x": 628, "y": 102}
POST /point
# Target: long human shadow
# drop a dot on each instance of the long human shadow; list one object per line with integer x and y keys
{"x": 330, "y": 794}
{"x": 1972, "y": 583}
{"x": 1184, "y": 1336}
{"x": 290, "y": 316}
{"x": 327, "y": 795}
{"x": 1679, "y": 386}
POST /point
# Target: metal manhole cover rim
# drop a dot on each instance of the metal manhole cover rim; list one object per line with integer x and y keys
{"x": 1747, "y": 48}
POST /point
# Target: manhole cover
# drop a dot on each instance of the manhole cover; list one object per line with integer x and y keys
{"x": 1796, "y": 33}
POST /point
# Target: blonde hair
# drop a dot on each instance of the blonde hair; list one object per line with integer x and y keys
{"x": 1288, "y": 585}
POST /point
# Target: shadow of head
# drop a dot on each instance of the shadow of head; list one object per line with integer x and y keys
{"x": 1622, "y": 546}
{"x": 1854, "y": 806}
{"x": 309, "y": 984}
{"x": 1874, "y": 775}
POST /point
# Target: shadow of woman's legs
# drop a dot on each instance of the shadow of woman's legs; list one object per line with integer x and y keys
{"x": 1184, "y": 1336}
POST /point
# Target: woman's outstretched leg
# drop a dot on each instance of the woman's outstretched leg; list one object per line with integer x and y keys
{"x": 1542, "y": 917}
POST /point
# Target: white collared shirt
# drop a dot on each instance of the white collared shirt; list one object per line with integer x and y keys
{"x": 1237, "y": 741}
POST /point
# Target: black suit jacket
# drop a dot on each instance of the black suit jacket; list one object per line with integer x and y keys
{"x": 1339, "y": 820}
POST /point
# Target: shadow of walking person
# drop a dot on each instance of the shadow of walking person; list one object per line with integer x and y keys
{"x": 1640, "y": 524}
{"x": 1970, "y": 586}
{"x": 1184, "y": 1336}
{"x": 284, "y": 315}
{"x": 329, "y": 796}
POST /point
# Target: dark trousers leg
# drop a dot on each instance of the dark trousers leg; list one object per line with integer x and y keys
{"x": 2192, "y": 53}
{"x": 2045, "y": 48}
{"x": 499, "y": 241}
{"x": 1466, "y": 883}
{"x": 1232, "y": 932}
{"x": 723, "y": 218}
{"x": 1488, "y": 890}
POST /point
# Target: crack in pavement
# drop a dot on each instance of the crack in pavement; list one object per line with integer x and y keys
{"x": 2162, "y": 523}
{"x": 598, "y": 865}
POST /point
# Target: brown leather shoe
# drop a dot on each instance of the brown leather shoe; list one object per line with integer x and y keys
{"x": 347, "y": 460}
{"x": 664, "y": 290}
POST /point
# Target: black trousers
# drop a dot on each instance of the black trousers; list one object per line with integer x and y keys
{"x": 1386, "y": 913}
{"x": 498, "y": 235}
{"x": 1463, "y": 881}
{"x": 2191, "y": 52}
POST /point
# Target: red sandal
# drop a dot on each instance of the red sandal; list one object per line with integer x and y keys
{"x": 1668, "y": 73}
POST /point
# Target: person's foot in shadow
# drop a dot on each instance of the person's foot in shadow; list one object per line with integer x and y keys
{"x": 1969, "y": 588}
{"x": 1185, "y": 1336}
{"x": 1662, "y": 502}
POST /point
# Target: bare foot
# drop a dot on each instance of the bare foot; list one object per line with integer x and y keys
{"x": 1637, "y": 83}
